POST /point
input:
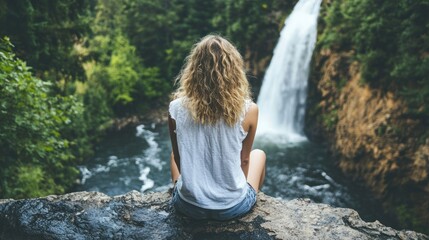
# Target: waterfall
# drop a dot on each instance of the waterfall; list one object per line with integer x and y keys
{"x": 284, "y": 89}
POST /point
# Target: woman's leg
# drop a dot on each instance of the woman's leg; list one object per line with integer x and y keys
{"x": 256, "y": 173}
{"x": 174, "y": 169}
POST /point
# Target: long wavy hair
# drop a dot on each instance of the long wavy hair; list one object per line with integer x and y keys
{"x": 213, "y": 82}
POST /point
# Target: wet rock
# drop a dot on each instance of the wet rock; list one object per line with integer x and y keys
{"x": 92, "y": 215}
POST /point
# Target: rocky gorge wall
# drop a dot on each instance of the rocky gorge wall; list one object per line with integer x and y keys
{"x": 375, "y": 140}
{"x": 93, "y": 215}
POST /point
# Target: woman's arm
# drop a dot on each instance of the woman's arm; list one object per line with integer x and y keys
{"x": 175, "y": 157}
{"x": 249, "y": 124}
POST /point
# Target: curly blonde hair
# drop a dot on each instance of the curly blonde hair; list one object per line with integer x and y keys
{"x": 213, "y": 82}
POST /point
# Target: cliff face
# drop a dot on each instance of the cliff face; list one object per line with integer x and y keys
{"x": 92, "y": 215}
{"x": 376, "y": 141}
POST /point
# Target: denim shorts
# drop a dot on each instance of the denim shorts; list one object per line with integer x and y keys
{"x": 195, "y": 212}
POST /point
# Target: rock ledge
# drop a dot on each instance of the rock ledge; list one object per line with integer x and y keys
{"x": 93, "y": 215}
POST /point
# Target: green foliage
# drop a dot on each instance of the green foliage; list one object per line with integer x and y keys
{"x": 31, "y": 132}
{"x": 122, "y": 72}
{"x": 31, "y": 181}
{"x": 407, "y": 218}
{"x": 97, "y": 110}
{"x": 164, "y": 31}
{"x": 45, "y": 31}
{"x": 330, "y": 119}
{"x": 119, "y": 73}
{"x": 243, "y": 23}
{"x": 390, "y": 41}
{"x": 149, "y": 26}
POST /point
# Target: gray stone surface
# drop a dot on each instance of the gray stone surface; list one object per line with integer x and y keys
{"x": 93, "y": 215}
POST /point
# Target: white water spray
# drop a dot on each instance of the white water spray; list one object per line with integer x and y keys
{"x": 284, "y": 89}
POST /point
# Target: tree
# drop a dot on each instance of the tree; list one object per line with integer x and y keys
{"x": 45, "y": 32}
{"x": 36, "y": 157}
{"x": 116, "y": 69}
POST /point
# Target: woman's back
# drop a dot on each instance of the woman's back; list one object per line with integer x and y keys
{"x": 210, "y": 159}
{"x": 216, "y": 170}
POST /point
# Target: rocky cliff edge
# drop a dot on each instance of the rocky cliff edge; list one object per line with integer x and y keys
{"x": 93, "y": 215}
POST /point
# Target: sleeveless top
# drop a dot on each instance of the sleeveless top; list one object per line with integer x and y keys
{"x": 210, "y": 159}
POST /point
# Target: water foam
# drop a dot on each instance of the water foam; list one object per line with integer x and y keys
{"x": 150, "y": 156}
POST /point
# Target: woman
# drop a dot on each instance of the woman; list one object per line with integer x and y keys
{"x": 212, "y": 123}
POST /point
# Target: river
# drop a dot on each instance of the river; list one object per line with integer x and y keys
{"x": 138, "y": 159}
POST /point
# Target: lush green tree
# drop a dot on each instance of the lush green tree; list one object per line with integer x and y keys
{"x": 36, "y": 158}
{"x": 127, "y": 82}
{"x": 390, "y": 41}
{"x": 45, "y": 32}
{"x": 150, "y": 27}
{"x": 163, "y": 32}
{"x": 254, "y": 28}
{"x": 116, "y": 69}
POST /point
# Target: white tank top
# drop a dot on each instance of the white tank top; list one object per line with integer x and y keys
{"x": 210, "y": 162}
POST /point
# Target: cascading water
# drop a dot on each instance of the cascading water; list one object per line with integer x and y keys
{"x": 284, "y": 89}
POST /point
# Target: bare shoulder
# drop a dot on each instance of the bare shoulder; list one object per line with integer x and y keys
{"x": 253, "y": 110}
{"x": 253, "y": 107}
{"x": 251, "y": 117}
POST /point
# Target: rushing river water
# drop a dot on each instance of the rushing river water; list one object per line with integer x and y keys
{"x": 138, "y": 159}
